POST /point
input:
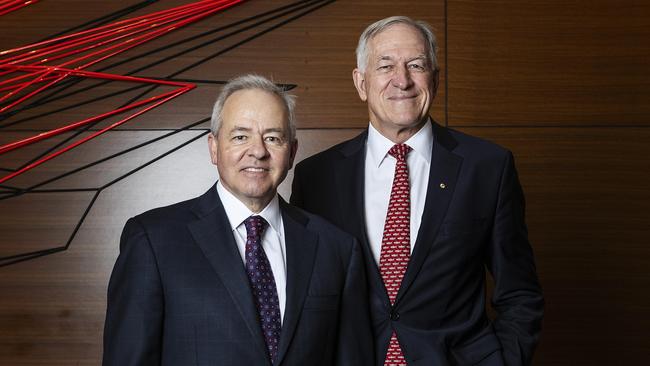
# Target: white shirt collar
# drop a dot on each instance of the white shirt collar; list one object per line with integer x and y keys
{"x": 379, "y": 145}
{"x": 237, "y": 211}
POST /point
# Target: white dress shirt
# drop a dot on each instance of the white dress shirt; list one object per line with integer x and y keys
{"x": 378, "y": 182}
{"x": 273, "y": 240}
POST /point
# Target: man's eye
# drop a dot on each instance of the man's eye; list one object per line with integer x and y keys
{"x": 384, "y": 67}
{"x": 273, "y": 139}
{"x": 416, "y": 67}
{"x": 239, "y": 138}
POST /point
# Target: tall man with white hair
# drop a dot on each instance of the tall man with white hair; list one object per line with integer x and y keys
{"x": 433, "y": 208}
{"x": 237, "y": 276}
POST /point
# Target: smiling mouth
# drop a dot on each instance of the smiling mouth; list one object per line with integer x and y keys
{"x": 402, "y": 97}
{"x": 255, "y": 170}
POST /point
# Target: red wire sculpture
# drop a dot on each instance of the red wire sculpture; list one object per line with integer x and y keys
{"x": 29, "y": 70}
{"x": 7, "y": 6}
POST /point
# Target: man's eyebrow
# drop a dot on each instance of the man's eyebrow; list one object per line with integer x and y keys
{"x": 240, "y": 129}
{"x": 384, "y": 58}
{"x": 390, "y": 58}
{"x": 275, "y": 129}
{"x": 419, "y": 57}
{"x": 246, "y": 129}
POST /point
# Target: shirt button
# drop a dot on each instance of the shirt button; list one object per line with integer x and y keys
{"x": 394, "y": 315}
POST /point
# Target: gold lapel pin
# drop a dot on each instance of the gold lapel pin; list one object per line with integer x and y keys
{"x": 443, "y": 186}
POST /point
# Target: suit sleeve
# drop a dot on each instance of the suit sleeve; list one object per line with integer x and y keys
{"x": 355, "y": 341}
{"x": 134, "y": 315}
{"x": 517, "y": 296}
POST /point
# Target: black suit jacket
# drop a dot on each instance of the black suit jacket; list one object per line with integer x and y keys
{"x": 179, "y": 293}
{"x": 473, "y": 218}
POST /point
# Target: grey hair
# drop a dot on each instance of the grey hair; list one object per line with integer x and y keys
{"x": 379, "y": 26}
{"x": 247, "y": 82}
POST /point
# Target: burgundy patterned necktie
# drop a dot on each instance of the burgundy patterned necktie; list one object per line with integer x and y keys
{"x": 396, "y": 241}
{"x": 262, "y": 283}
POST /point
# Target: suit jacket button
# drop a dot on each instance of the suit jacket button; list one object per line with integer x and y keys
{"x": 394, "y": 315}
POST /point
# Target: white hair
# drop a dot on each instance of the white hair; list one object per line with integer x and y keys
{"x": 247, "y": 82}
{"x": 379, "y": 26}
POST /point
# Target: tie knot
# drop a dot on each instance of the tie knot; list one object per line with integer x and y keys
{"x": 255, "y": 226}
{"x": 399, "y": 151}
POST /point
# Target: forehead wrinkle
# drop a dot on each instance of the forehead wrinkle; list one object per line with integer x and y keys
{"x": 386, "y": 39}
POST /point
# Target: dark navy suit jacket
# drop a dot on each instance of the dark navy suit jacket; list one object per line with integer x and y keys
{"x": 473, "y": 219}
{"x": 179, "y": 294}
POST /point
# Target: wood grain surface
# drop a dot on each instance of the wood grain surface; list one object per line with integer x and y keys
{"x": 564, "y": 85}
{"x": 549, "y": 63}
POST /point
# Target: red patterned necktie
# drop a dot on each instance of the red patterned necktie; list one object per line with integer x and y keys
{"x": 262, "y": 283}
{"x": 396, "y": 241}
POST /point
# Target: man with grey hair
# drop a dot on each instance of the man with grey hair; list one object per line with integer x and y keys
{"x": 237, "y": 276}
{"x": 433, "y": 208}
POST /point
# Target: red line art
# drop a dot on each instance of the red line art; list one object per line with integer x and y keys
{"x": 147, "y": 104}
{"x": 7, "y": 6}
{"x": 29, "y": 70}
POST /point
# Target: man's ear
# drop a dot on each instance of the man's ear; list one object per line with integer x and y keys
{"x": 360, "y": 83}
{"x": 212, "y": 146}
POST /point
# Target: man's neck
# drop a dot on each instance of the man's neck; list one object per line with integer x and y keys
{"x": 254, "y": 204}
{"x": 401, "y": 134}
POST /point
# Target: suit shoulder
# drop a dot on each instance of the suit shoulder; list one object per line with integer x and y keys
{"x": 319, "y": 158}
{"x": 167, "y": 216}
{"x": 333, "y": 153}
{"x": 478, "y": 148}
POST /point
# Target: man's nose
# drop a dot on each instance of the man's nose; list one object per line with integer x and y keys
{"x": 258, "y": 148}
{"x": 402, "y": 78}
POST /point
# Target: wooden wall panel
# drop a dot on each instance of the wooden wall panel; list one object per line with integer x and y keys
{"x": 564, "y": 84}
{"x": 534, "y": 76}
{"x": 587, "y": 213}
{"x": 548, "y": 63}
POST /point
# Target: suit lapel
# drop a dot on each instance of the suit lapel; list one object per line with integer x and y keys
{"x": 301, "y": 247}
{"x": 351, "y": 169}
{"x": 443, "y": 176}
{"x": 213, "y": 234}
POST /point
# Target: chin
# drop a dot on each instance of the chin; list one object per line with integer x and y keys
{"x": 407, "y": 121}
{"x": 259, "y": 192}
